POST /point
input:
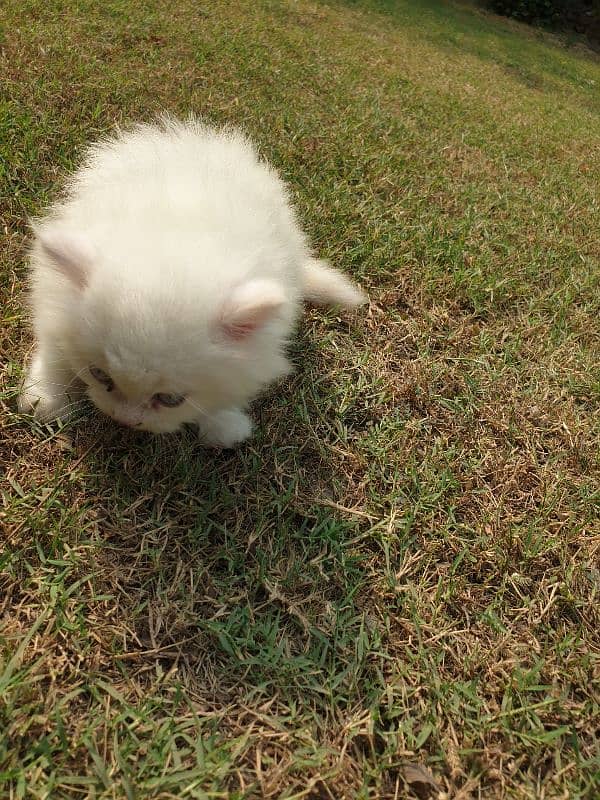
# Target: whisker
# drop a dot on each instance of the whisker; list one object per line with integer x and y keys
{"x": 72, "y": 378}
{"x": 81, "y": 371}
{"x": 197, "y": 407}
{"x": 73, "y": 404}
{"x": 63, "y": 386}
{"x": 52, "y": 361}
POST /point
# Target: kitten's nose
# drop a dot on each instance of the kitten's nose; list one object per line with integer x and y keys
{"x": 127, "y": 423}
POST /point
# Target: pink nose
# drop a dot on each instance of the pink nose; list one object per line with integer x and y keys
{"x": 129, "y": 420}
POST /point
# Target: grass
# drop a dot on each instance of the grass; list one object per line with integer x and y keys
{"x": 392, "y": 590}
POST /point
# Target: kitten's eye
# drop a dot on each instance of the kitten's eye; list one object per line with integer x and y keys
{"x": 169, "y": 400}
{"x": 102, "y": 378}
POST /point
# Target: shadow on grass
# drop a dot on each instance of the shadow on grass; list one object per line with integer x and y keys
{"x": 233, "y": 566}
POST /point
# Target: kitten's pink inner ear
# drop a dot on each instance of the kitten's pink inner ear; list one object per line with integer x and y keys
{"x": 69, "y": 252}
{"x": 250, "y": 307}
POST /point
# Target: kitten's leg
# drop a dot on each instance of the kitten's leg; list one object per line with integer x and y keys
{"x": 225, "y": 428}
{"x": 48, "y": 389}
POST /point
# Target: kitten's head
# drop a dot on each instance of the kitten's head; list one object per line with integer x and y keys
{"x": 156, "y": 354}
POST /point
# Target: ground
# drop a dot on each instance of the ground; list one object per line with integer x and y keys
{"x": 392, "y": 590}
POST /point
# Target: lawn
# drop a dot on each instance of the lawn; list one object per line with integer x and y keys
{"x": 393, "y": 590}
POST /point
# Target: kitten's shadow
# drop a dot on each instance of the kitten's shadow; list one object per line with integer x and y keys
{"x": 183, "y": 529}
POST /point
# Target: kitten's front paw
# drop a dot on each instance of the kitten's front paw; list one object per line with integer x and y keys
{"x": 225, "y": 428}
{"x": 42, "y": 405}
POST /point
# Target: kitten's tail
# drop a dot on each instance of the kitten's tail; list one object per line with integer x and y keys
{"x": 323, "y": 284}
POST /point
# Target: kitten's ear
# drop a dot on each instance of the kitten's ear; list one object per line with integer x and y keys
{"x": 70, "y": 253}
{"x": 249, "y": 307}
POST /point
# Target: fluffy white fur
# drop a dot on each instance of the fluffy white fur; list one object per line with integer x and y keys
{"x": 175, "y": 265}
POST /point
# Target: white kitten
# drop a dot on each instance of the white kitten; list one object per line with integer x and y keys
{"x": 168, "y": 282}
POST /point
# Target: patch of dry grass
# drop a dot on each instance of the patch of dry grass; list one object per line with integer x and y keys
{"x": 392, "y": 591}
